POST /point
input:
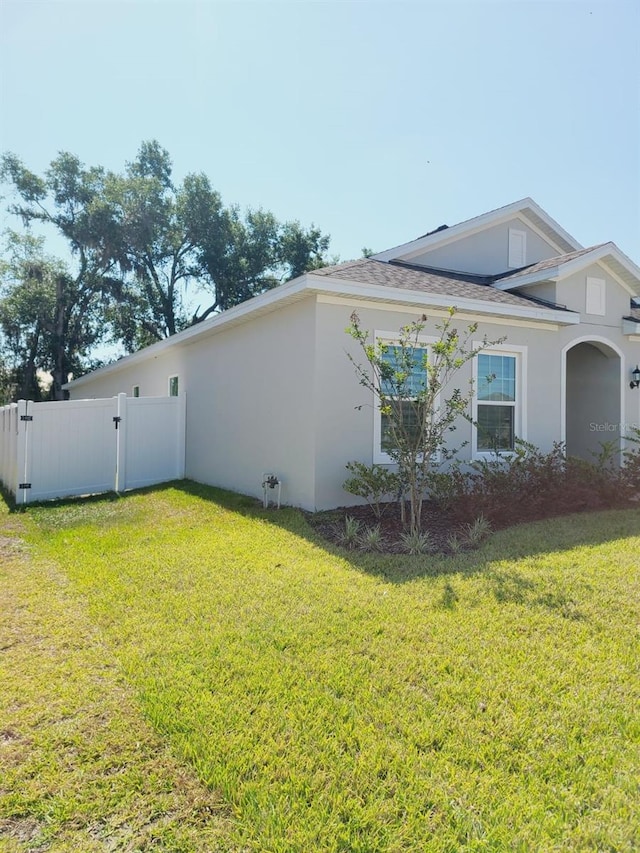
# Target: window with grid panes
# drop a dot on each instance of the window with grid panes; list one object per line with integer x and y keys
{"x": 416, "y": 378}
{"x": 496, "y": 395}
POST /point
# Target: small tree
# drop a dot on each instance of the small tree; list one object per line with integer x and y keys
{"x": 411, "y": 383}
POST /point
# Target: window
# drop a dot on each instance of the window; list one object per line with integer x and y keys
{"x": 135, "y": 391}
{"x": 517, "y": 248}
{"x": 595, "y": 303}
{"x": 498, "y": 408}
{"x": 173, "y": 386}
{"x": 407, "y": 377}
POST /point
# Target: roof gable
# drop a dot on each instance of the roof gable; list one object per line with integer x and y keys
{"x": 608, "y": 255}
{"x": 526, "y": 210}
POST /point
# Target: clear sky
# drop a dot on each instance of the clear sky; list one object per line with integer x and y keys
{"x": 377, "y": 121}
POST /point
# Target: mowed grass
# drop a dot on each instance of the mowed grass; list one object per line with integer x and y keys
{"x": 80, "y": 767}
{"x": 341, "y": 702}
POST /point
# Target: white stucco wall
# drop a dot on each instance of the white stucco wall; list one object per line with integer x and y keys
{"x": 345, "y": 432}
{"x": 250, "y": 404}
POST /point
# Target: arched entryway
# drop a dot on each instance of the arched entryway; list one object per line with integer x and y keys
{"x": 593, "y": 401}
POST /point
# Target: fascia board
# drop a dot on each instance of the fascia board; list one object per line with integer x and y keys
{"x": 549, "y": 274}
{"x": 380, "y": 293}
{"x": 625, "y": 260}
{"x": 551, "y": 222}
{"x": 472, "y": 226}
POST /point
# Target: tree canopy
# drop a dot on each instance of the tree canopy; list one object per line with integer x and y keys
{"x": 148, "y": 257}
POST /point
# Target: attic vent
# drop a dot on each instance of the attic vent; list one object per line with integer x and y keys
{"x": 517, "y": 248}
{"x": 595, "y": 296}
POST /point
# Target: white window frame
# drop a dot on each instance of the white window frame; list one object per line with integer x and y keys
{"x": 175, "y": 376}
{"x": 520, "y": 403}
{"x": 135, "y": 390}
{"x": 380, "y": 457}
{"x": 595, "y": 296}
{"x": 517, "y": 248}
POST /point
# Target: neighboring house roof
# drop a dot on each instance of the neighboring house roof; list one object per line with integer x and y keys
{"x": 525, "y": 209}
{"x": 423, "y": 280}
{"x": 561, "y": 266}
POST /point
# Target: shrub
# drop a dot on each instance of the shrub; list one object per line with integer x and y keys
{"x": 372, "y": 483}
{"x": 630, "y": 474}
{"x": 532, "y": 484}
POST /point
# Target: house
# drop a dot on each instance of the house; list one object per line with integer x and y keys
{"x": 270, "y": 388}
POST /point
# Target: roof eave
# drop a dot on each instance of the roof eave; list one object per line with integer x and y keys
{"x": 381, "y": 293}
{"x": 310, "y": 284}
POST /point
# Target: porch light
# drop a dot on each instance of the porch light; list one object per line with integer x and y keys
{"x": 635, "y": 382}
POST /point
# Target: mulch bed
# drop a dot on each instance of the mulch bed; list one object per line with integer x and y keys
{"x": 439, "y": 524}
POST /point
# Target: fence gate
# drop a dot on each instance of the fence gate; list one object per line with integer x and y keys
{"x": 78, "y": 447}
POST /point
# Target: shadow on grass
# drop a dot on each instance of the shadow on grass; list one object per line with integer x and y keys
{"x": 496, "y": 561}
{"x": 493, "y": 560}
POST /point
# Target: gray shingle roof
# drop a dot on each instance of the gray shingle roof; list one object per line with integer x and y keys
{"x": 541, "y": 266}
{"x": 423, "y": 280}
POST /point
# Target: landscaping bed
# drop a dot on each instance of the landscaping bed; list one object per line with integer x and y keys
{"x": 469, "y": 501}
{"x": 441, "y": 525}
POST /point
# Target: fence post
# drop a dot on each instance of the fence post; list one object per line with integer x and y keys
{"x": 22, "y": 453}
{"x": 4, "y": 461}
{"x": 121, "y": 443}
{"x": 182, "y": 429}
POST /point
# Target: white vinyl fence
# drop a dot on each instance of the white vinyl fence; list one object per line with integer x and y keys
{"x": 81, "y": 447}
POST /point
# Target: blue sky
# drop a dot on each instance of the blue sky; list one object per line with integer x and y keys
{"x": 377, "y": 121}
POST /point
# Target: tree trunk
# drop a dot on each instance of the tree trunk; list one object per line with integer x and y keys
{"x": 58, "y": 342}
{"x": 29, "y": 384}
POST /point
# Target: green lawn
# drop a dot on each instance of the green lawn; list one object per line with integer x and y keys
{"x": 295, "y": 698}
